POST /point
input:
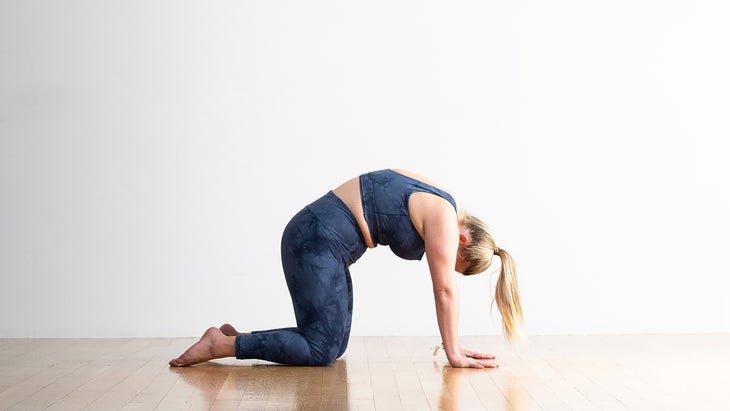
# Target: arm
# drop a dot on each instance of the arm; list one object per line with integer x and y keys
{"x": 441, "y": 237}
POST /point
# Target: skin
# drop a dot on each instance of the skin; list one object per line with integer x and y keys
{"x": 444, "y": 235}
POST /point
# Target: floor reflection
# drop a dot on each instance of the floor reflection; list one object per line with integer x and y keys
{"x": 514, "y": 394}
{"x": 258, "y": 385}
{"x": 452, "y": 381}
{"x": 362, "y": 385}
{"x": 479, "y": 389}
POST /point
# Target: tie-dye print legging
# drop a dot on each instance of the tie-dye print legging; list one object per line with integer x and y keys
{"x": 317, "y": 247}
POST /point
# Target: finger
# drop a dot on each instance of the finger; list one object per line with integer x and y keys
{"x": 489, "y": 364}
{"x": 478, "y": 355}
{"x": 476, "y": 365}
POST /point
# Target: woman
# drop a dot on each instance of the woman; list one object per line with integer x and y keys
{"x": 388, "y": 207}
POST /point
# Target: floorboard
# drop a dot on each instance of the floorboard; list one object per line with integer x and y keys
{"x": 594, "y": 372}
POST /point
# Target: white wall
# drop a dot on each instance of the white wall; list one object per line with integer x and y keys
{"x": 152, "y": 152}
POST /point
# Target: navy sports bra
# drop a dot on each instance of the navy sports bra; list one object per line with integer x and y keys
{"x": 385, "y": 195}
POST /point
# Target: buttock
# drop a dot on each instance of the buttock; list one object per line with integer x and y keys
{"x": 325, "y": 226}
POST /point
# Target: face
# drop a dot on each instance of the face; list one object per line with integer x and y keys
{"x": 461, "y": 263}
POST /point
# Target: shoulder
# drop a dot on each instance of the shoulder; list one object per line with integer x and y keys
{"x": 417, "y": 177}
{"x": 432, "y": 215}
{"x": 439, "y": 230}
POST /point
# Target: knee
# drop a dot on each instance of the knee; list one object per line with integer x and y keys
{"x": 324, "y": 359}
{"x": 322, "y": 363}
{"x": 343, "y": 348}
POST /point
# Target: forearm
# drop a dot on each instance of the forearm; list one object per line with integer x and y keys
{"x": 447, "y": 313}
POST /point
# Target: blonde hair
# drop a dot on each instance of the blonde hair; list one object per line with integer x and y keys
{"x": 478, "y": 254}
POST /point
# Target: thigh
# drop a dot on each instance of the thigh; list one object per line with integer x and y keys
{"x": 316, "y": 277}
{"x": 348, "y": 318}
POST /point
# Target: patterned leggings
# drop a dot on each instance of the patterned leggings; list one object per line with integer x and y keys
{"x": 317, "y": 247}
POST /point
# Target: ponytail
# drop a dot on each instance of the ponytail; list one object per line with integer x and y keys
{"x": 507, "y": 297}
{"x": 479, "y": 253}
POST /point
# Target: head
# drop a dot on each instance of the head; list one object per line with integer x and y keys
{"x": 476, "y": 252}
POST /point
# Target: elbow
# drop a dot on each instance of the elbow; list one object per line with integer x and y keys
{"x": 445, "y": 298}
{"x": 444, "y": 293}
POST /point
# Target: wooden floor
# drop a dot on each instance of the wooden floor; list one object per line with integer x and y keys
{"x": 618, "y": 372}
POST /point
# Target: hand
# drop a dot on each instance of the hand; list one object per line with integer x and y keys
{"x": 477, "y": 355}
{"x": 471, "y": 359}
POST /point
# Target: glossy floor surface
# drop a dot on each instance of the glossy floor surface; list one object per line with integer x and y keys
{"x": 606, "y": 372}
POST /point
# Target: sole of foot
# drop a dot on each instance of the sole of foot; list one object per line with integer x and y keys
{"x": 203, "y": 350}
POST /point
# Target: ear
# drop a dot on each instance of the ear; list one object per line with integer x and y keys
{"x": 463, "y": 238}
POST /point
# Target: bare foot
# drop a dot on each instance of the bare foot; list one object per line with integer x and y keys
{"x": 213, "y": 344}
{"x": 228, "y": 329}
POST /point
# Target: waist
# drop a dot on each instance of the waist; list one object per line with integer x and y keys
{"x": 368, "y": 205}
{"x": 334, "y": 214}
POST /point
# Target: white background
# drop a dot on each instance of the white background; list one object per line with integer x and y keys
{"x": 152, "y": 152}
